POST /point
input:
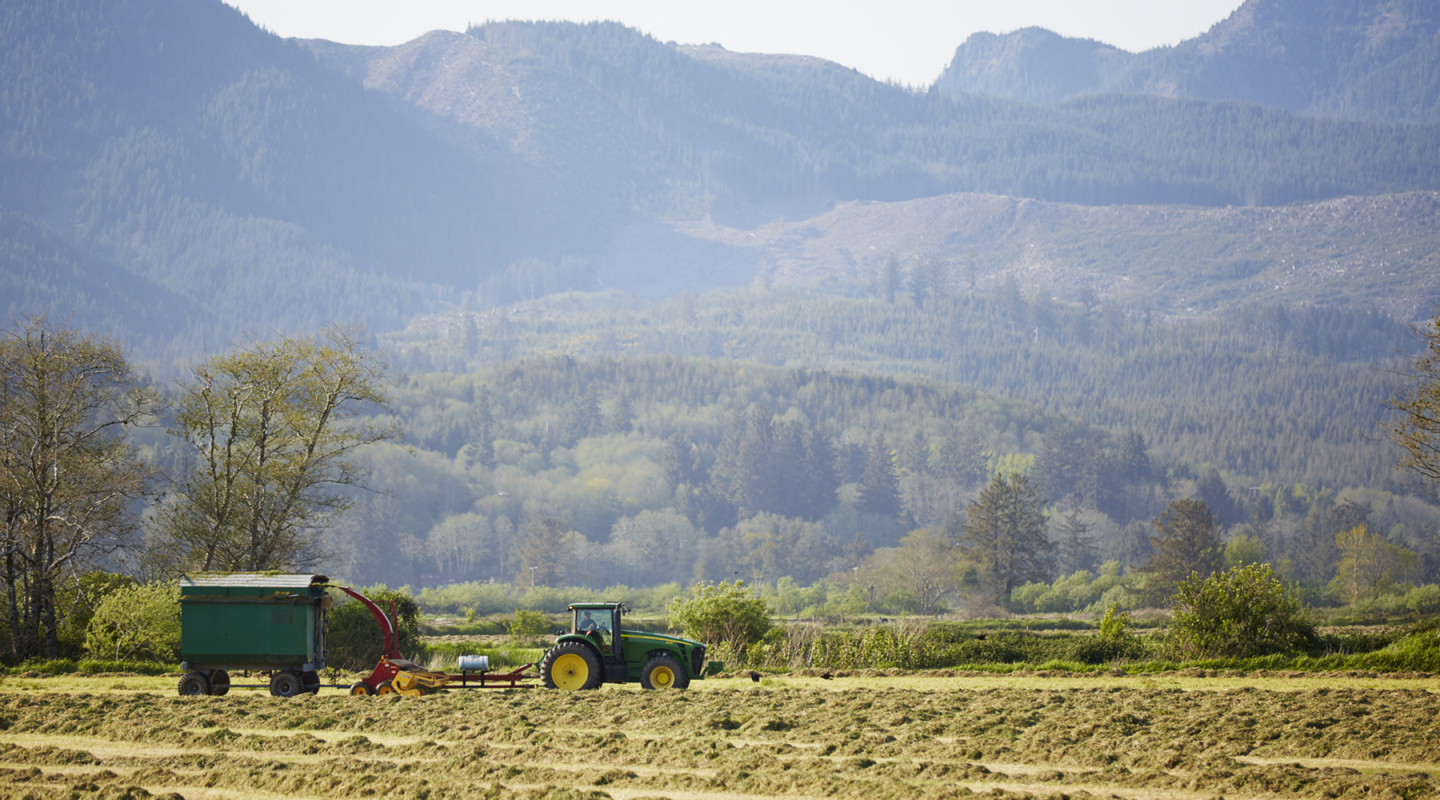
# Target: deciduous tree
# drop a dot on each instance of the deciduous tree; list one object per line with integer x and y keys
{"x": 273, "y": 428}
{"x": 1369, "y": 563}
{"x": 1416, "y": 428}
{"x": 68, "y": 472}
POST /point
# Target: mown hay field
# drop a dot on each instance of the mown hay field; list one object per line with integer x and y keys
{"x": 1179, "y": 735}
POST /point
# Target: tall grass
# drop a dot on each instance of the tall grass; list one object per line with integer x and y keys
{"x": 920, "y": 645}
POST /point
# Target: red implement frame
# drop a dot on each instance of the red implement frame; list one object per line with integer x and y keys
{"x": 490, "y": 680}
{"x": 392, "y": 662}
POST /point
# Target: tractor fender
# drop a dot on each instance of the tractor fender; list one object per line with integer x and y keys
{"x": 582, "y": 639}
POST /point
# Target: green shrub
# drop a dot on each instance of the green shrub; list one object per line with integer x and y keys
{"x": 1241, "y": 612}
{"x": 1423, "y": 599}
{"x": 527, "y": 626}
{"x": 722, "y": 612}
{"x": 136, "y": 622}
{"x": 990, "y": 650}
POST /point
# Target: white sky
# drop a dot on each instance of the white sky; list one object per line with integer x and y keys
{"x": 906, "y": 40}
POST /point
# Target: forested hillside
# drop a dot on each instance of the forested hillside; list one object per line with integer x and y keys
{"x": 179, "y": 144}
{"x": 1340, "y": 59}
{"x": 1263, "y": 392}
{"x": 642, "y": 470}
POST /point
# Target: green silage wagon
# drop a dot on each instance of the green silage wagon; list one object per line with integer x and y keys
{"x": 258, "y": 622}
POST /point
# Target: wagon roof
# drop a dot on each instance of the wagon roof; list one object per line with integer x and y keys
{"x": 267, "y": 580}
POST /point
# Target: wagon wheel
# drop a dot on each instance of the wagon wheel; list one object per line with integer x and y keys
{"x": 285, "y": 684}
{"x": 384, "y": 688}
{"x": 311, "y": 681}
{"x": 361, "y": 689}
{"x": 663, "y": 672}
{"x": 571, "y": 666}
{"x": 219, "y": 682}
{"x": 194, "y": 684}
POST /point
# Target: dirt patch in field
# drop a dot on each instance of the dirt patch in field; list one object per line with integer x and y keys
{"x": 736, "y": 739}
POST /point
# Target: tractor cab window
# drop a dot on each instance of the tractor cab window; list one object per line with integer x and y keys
{"x": 594, "y": 624}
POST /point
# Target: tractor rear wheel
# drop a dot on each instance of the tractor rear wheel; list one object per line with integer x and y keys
{"x": 193, "y": 684}
{"x": 285, "y": 684}
{"x": 663, "y": 672}
{"x": 571, "y": 666}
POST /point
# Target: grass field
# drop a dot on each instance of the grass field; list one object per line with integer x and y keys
{"x": 1176, "y": 735}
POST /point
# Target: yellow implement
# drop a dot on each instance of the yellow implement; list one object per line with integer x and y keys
{"x": 410, "y": 679}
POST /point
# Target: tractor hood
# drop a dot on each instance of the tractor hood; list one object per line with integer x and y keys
{"x": 643, "y": 636}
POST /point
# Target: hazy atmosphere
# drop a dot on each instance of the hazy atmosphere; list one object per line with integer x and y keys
{"x": 974, "y": 359}
{"x": 908, "y": 41}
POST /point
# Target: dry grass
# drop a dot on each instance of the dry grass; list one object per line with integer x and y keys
{"x": 1171, "y": 736}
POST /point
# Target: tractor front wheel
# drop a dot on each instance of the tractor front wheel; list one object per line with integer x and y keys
{"x": 663, "y": 672}
{"x": 571, "y": 666}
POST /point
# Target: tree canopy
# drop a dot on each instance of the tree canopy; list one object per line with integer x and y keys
{"x": 272, "y": 429}
{"x": 69, "y": 473}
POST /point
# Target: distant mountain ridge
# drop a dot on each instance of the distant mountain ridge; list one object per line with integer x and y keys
{"x": 1375, "y": 60}
{"x": 172, "y": 173}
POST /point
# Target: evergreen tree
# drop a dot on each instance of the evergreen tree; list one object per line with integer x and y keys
{"x": 1135, "y": 465}
{"x": 960, "y": 458}
{"x": 622, "y": 416}
{"x": 919, "y": 285}
{"x": 890, "y": 278}
{"x": 677, "y": 464}
{"x": 821, "y": 478}
{"x": 482, "y": 431}
{"x": 1060, "y": 465}
{"x": 1212, "y": 490}
{"x": 879, "y": 486}
{"x": 916, "y": 456}
{"x": 470, "y": 340}
{"x": 1074, "y": 546}
{"x": 584, "y": 418}
{"x": 1186, "y": 540}
{"x": 1004, "y": 533}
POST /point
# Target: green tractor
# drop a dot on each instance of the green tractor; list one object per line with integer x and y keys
{"x": 592, "y": 654}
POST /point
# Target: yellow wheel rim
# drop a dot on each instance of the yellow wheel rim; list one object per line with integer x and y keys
{"x": 385, "y": 688}
{"x": 570, "y": 672}
{"x": 359, "y": 691}
{"x": 662, "y": 678}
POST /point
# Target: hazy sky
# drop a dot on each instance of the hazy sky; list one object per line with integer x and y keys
{"x": 909, "y": 40}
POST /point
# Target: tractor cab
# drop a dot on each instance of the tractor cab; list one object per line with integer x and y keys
{"x": 600, "y": 623}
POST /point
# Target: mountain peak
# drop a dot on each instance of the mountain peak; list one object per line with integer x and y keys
{"x": 1349, "y": 59}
